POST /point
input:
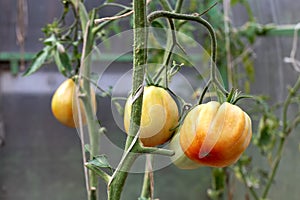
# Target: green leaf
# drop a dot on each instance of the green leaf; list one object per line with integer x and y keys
{"x": 100, "y": 161}
{"x": 63, "y": 62}
{"x": 38, "y": 61}
{"x": 50, "y": 40}
{"x": 84, "y": 17}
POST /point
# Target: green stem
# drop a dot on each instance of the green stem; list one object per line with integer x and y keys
{"x": 252, "y": 191}
{"x": 105, "y": 23}
{"x": 99, "y": 172}
{"x": 155, "y": 150}
{"x": 139, "y": 61}
{"x": 178, "y": 6}
{"x": 283, "y": 139}
{"x": 196, "y": 17}
{"x": 158, "y": 14}
{"x": 115, "y": 187}
{"x": 147, "y": 189}
{"x": 171, "y": 42}
{"x": 89, "y": 112}
{"x": 203, "y": 92}
{"x": 166, "y": 5}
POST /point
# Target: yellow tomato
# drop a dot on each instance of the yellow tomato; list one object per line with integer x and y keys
{"x": 215, "y": 135}
{"x": 62, "y": 104}
{"x": 159, "y": 116}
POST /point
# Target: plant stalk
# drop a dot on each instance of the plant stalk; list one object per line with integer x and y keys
{"x": 89, "y": 113}
{"x": 148, "y": 183}
{"x": 139, "y": 60}
{"x": 283, "y": 139}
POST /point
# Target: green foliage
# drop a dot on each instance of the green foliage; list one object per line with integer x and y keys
{"x": 266, "y": 134}
{"x": 38, "y": 60}
{"x": 100, "y": 161}
{"x": 63, "y": 41}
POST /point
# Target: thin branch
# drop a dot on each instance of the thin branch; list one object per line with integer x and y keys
{"x": 286, "y": 104}
{"x": 226, "y": 8}
{"x": 98, "y": 21}
{"x": 166, "y": 5}
{"x": 105, "y": 23}
{"x": 99, "y": 172}
{"x": 194, "y": 17}
{"x": 114, "y": 4}
{"x": 157, "y": 151}
{"x": 178, "y": 6}
{"x": 125, "y": 155}
{"x": 252, "y": 191}
{"x": 148, "y": 183}
{"x": 204, "y": 92}
{"x": 81, "y": 132}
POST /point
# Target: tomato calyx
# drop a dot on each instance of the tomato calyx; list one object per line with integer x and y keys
{"x": 234, "y": 96}
{"x": 231, "y": 97}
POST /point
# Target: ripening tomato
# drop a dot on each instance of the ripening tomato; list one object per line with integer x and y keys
{"x": 62, "y": 104}
{"x": 179, "y": 159}
{"x": 159, "y": 116}
{"x": 215, "y": 134}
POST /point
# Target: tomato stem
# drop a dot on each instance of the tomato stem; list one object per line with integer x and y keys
{"x": 204, "y": 92}
{"x": 115, "y": 187}
{"x": 148, "y": 183}
{"x": 93, "y": 134}
{"x": 197, "y": 18}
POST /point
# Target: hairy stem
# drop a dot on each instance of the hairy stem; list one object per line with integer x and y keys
{"x": 139, "y": 60}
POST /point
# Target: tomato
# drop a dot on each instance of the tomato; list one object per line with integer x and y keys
{"x": 215, "y": 134}
{"x": 179, "y": 158}
{"x": 62, "y": 104}
{"x": 159, "y": 116}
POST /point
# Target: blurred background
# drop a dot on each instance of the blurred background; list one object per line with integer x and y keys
{"x": 41, "y": 159}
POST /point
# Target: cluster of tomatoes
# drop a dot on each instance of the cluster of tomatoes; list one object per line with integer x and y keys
{"x": 210, "y": 134}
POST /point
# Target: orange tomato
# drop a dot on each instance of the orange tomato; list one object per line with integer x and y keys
{"x": 159, "y": 116}
{"x": 215, "y": 135}
{"x": 62, "y": 104}
{"x": 179, "y": 159}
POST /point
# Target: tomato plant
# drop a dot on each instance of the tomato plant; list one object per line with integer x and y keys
{"x": 211, "y": 134}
